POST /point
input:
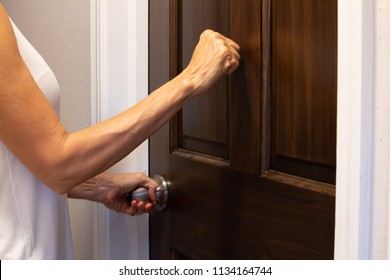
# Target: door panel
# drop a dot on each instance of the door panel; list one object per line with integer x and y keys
{"x": 250, "y": 164}
{"x": 303, "y": 94}
{"x": 204, "y": 120}
{"x": 204, "y": 123}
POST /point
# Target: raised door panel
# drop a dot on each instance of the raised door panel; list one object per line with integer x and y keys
{"x": 304, "y": 88}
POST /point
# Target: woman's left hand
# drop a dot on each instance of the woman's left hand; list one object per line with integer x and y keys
{"x": 111, "y": 189}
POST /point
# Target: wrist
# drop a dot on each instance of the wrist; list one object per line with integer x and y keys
{"x": 197, "y": 81}
{"x": 86, "y": 190}
{"x": 189, "y": 83}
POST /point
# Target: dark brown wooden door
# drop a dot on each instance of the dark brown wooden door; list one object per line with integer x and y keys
{"x": 251, "y": 164}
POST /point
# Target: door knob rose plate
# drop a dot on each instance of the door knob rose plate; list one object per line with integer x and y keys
{"x": 161, "y": 192}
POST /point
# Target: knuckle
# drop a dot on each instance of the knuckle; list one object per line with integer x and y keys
{"x": 140, "y": 175}
{"x": 224, "y": 50}
{"x": 206, "y": 33}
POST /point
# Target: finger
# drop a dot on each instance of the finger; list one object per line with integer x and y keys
{"x": 148, "y": 207}
{"x": 233, "y": 44}
{"x": 141, "y": 207}
{"x": 231, "y": 64}
{"x": 133, "y": 208}
{"x": 137, "y": 208}
{"x": 236, "y": 54}
{"x": 152, "y": 193}
{"x": 151, "y": 186}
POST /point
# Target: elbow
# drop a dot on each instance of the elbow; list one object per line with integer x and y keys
{"x": 59, "y": 183}
{"x": 58, "y": 176}
{"x": 62, "y": 166}
{"x": 59, "y": 188}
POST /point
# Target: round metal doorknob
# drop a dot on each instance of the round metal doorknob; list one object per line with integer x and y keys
{"x": 141, "y": 194}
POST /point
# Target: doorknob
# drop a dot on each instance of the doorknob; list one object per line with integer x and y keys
{"x": 141, "y": 194}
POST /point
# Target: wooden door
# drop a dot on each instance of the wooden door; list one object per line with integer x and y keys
{"x": 251, "y": 165}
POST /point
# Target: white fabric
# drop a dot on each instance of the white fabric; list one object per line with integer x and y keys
{"x": 34, "y": 220}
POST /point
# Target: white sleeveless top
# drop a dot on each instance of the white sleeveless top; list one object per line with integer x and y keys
{"x": 34, "y": 220}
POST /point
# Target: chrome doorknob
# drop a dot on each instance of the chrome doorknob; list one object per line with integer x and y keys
{"x": 141, "y": 194}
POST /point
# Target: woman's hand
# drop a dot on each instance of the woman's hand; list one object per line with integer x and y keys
{"x": 111, "y": 189}
{"x": 214, "y": 56}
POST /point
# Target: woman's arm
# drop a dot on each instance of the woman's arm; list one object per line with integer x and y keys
{"x": 31, "y": 130}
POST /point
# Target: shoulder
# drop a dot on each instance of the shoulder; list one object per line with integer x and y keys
{"x": 7, "y": 34}
{"x": 9, "y": 52}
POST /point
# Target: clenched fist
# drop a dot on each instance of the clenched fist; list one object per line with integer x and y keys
{"x": 214, "y": 56}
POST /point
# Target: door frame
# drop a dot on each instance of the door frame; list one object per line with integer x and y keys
{"x": 362, "y": 194}
{"x": 362, "y": 208}
{"x": 119, "y": 79}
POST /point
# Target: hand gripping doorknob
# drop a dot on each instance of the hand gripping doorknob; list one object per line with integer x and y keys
{"x": 141, "y": 194}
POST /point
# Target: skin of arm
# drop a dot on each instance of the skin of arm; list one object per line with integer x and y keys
{"x": 64, "y": 161}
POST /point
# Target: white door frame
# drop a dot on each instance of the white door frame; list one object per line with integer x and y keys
{"x": 363, "y": 138}
{"x": 119, "y": 77}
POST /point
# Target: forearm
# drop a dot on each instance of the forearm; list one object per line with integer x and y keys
{"x": 95, "y": 189}
{"x": 86, "y": 190}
